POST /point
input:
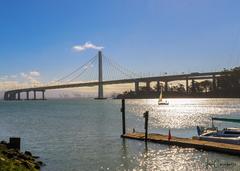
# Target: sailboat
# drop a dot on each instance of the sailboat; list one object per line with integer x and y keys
{"x": 226, "y": 135}
{"x": 160, "y": 101}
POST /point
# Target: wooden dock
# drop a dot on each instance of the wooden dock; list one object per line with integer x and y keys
{"x": 187, "y": 142}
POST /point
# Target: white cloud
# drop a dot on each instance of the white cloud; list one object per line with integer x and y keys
{"x": 4, "y": 77}
{"x": 31, "y": 77}
{"x": 87, "y": 45}
{"x": 8, "y": 85}
{"x": 24, "y": 75}
{"x": 13, "y": 76}
{"x": 34, "y": 73}
{"x": 21, "y": 80}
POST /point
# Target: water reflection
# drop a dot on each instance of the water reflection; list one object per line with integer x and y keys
{"x": 85, "y": 134}
{"x": 135, "y": 156}
{"x": 184, "y": 113}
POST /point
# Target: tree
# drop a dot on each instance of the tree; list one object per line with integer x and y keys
{"x": 206, "y": 85}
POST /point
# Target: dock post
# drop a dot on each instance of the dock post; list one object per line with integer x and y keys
{"x": 145, "y": 115}
{"x": 15, "y": 143}
{"x": 123, "y": 117}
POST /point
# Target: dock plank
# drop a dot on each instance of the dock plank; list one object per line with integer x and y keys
{"x": 187, "y": 142}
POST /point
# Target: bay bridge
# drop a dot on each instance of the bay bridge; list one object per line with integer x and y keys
{"x": 127, "y": 76}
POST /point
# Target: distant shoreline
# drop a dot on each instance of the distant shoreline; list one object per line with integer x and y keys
{"x": 182, "y": 98}
{"x": 155, "y": 95}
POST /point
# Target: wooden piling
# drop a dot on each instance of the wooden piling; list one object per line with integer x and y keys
{"x": 15, "y": 143}
{"x": 123, "y": 117}
{"x": 145, "y": 115}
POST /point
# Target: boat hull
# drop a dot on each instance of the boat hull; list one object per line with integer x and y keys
{"x": 227, "y": 140}
{"x": 162, "y": 103}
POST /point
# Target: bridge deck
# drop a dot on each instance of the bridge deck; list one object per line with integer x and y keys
{"x": 207, "y": 75}
{"x": 187, "y": 142}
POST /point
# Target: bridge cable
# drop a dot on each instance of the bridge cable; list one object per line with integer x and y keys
{"x": 121, "y": 69}
{"x": 114, "y": 72}
{"x": 76, "y": 70}
{"x": 115, "y": 64}
{"x": 85, "y": 69}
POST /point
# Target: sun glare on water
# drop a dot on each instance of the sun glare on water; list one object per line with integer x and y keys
{"x": 182, "y": 113}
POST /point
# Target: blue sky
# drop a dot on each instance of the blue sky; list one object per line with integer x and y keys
{"x": 149, "y": 36}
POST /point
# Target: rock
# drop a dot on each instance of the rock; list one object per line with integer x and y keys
{"x": 10, "y": 155}
{"x": 4, "y": 142}
{"x": 36, "y": 157}
{"x": 25, "y": 159}
{"x": 2, "y": 159}
{"x": 37, "y": 167}
{"x": 28, "y": 153}
{"x": 26, "y": 164}
{"x": 4, "y": 152}
{"x": 40, "y": 163}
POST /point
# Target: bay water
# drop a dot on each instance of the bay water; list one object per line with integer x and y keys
{"x": 84, "y": 134}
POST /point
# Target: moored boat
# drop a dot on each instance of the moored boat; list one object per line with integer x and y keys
{"x": 226, "y": 135}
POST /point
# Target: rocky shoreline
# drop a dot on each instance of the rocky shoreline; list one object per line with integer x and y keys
{"x": 12, "y": 159}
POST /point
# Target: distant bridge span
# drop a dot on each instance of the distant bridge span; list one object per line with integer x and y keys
{"x": 16, "y": 94}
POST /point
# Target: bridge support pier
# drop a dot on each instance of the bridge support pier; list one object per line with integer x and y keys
{"x": 43, "y": 94}
{"x": 34, "y": 95}
{"x": 8, "y": 96}
{"x": 18, "y": 95}
{"x": 136, "y": 87}
{"x": 27, "y": 95}
{"x": 187, "y": 88}
{"x": 214, "y": 86}
{"x": 12, "y": 96}
{"x": 193, "y": 86}
{"x": 148, "y": 85}
{"x": 100, "y": 76}
{"x": 158, "y": 86}
{"x": 166, "y": 86}
{"x": 5, "y": 96}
